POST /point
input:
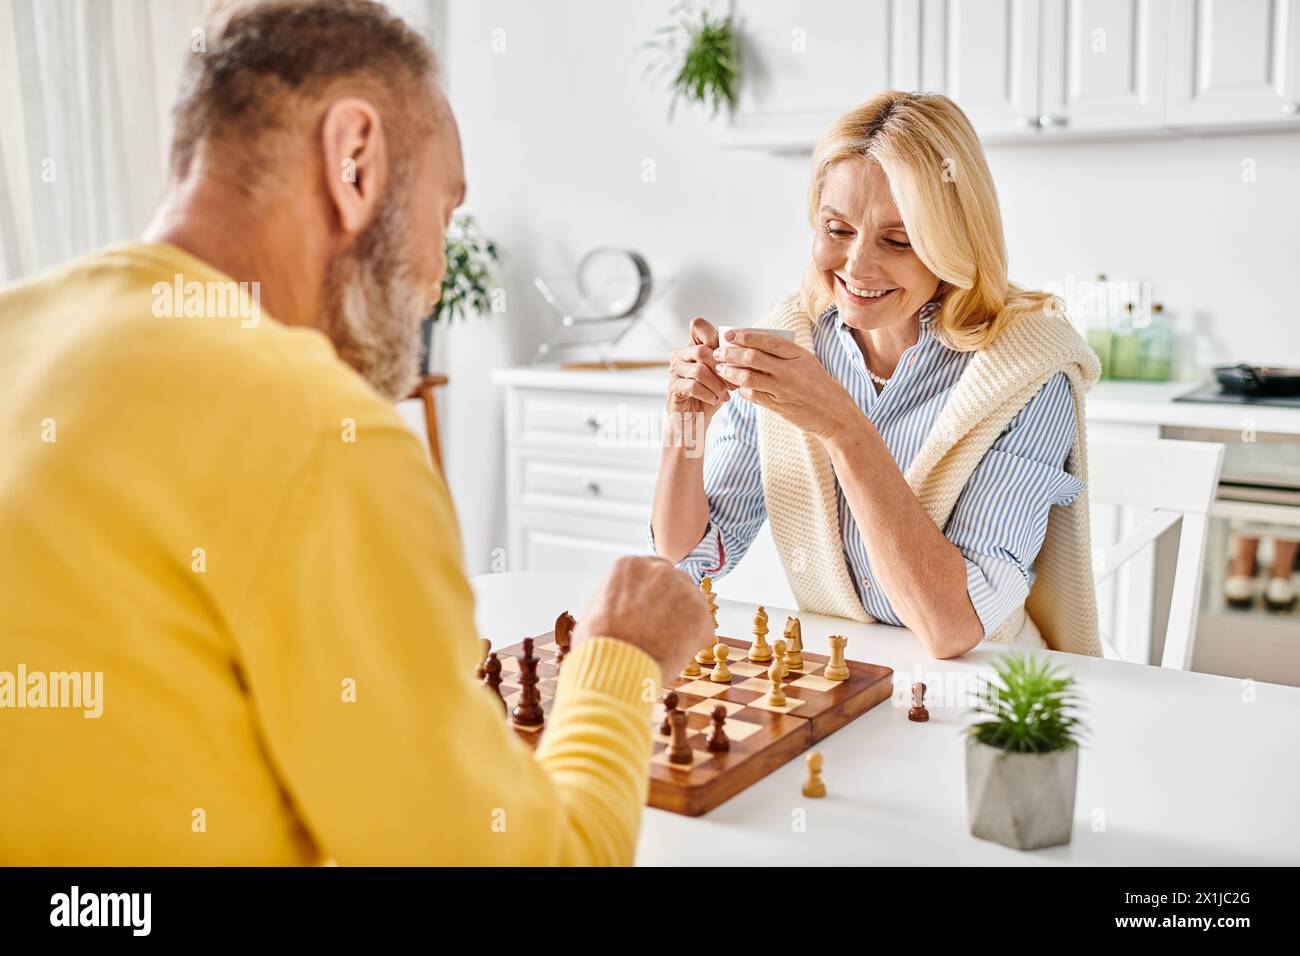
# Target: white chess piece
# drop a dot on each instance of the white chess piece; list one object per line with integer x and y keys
{"x": 775, "y": 694}
{"x": 721, "y": 674}
{"x": 836, "y": 669}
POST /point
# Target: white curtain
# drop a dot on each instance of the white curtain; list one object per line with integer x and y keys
{"x": 85, "y": 92}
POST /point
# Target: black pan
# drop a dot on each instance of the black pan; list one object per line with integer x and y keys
{"x": 1258, "y": 380}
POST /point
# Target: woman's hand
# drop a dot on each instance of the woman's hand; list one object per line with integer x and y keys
{"x": 775, "y": 373}
{"x": 693, "y": 385}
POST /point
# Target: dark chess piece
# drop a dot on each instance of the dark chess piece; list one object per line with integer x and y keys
{"x": 528, "y": 712}
{"x": 563, "y": 635}
{"x": 717, "y": 740}
{"x": 918, "y": 711}
{"x": 679, "y": 751}
{"x": 492, "y": 677}
{"x": 670, "y": 704}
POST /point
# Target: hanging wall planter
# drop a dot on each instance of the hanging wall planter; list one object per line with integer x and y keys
{"x": 699, "y": 52}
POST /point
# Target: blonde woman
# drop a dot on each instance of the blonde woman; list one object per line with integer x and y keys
{"x": 918, "y": 447}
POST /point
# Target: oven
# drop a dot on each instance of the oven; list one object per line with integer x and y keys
{"x": 1247, "y": 628}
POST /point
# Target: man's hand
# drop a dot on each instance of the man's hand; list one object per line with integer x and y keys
{"x": 649, "y": 603}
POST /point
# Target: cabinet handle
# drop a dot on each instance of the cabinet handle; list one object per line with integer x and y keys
{"x": 1291, "y": 109}
{"x": 593, "y": 487}
{"x": 1028, "y": 121}
{"x": 1047, "y": 122}
{"x": 593, "y": 422}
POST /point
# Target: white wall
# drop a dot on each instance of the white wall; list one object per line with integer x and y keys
{"x": 556, "y": 128}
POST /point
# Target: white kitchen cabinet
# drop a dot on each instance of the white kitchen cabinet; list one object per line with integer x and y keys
{"x": 806, "y": 63}
{"x": 1022, "y": 70}
{"x": 1103, "y": 65}
{"x": 1234, "y": 64}
{"x": 983, "y": 54}
{"x": 1028, "y": 68}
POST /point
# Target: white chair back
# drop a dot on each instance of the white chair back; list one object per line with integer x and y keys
{"x": 1177, "y": 481}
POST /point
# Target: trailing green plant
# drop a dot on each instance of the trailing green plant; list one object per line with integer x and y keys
{"x": 1029, "y": 707}
{"x": 700, "y": 52}
{"x": 471, "y": 258}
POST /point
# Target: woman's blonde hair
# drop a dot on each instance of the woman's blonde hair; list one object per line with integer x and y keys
{"x": 941, "y": 184}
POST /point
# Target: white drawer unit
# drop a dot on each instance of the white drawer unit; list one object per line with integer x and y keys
{"x": 554, "y": 541}
{"x": 540, "y": 482}
{"x": 582, "y": 454}
{"x": 608, "y": 426}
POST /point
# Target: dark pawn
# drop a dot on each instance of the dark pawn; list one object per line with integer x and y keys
{"x": 528, "y": 712}
{"x": 670, "y": 704}
{"x": 918, "y": 711}
{"x": 679, "y": 751}
{"x": 492, "y": 677}
{"x": 563, "y": 635}
{"x": 717, "y": 740}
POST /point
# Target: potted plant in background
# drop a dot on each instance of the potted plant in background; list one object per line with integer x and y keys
{"x": 1022, "y": 760}
{"x": 700, "y": 52}
{"x": 466, "y": 287}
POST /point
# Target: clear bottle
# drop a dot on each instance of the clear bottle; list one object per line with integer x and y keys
{"x": 1157, "y": 347}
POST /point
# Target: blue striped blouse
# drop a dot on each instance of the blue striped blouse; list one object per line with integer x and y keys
{"x": 1000, "y": 517}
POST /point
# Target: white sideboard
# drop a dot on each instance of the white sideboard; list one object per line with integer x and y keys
{"x": 1022, "y": 70}
{"x": 577, "y": 495}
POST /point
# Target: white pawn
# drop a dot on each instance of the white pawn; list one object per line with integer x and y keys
{"x": 721, "y": 674}
{"x": 813, "y": 786}
{"x": 778, "y": 656}
{"x": 775, "y": 693}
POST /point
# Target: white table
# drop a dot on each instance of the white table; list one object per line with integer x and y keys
{"x": 1179, "y": 768}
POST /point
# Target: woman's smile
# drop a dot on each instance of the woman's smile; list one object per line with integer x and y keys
{"x": 864, "y": 296}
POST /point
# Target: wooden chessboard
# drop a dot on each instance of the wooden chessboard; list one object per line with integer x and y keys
{"x": 762, "y": 737}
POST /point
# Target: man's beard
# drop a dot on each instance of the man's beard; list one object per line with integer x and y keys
{"x": 374, "y": 307}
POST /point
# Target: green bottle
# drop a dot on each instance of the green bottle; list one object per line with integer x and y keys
{"x": 1099, "y": 334}
{"x": 1126, "y": 347}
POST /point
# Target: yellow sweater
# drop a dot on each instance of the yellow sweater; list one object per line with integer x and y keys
{"x": 225, "y": 526}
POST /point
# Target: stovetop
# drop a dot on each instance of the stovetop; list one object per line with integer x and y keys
{"x": 1212, "y": 394}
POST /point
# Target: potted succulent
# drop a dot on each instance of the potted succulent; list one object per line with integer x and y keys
{"x": 699, "y": 52}
{"x": 466, "y": 286}
{"x": 1022, "y": 759}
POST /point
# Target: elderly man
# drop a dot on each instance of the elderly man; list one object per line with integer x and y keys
{"x": 210, "y": 511}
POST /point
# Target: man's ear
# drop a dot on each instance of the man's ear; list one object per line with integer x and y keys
{"x": 355, "y": 161}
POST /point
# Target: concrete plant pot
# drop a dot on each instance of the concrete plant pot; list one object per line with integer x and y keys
{"x": 1023, "y": 801}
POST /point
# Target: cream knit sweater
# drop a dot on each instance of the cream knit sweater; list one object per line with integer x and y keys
{"x": 799, "y": 482}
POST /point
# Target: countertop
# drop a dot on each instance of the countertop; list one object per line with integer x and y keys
{"x": 1135, "y": 403}
{"x": 1179, "y": 768}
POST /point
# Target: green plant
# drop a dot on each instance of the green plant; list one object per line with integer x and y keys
{"x": 470, "y": 261}
{"x": 700, "y": 51}
{"x": 1030, "y": 707}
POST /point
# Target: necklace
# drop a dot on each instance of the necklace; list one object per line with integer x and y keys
{"x": 879, "y": 380}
